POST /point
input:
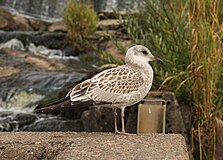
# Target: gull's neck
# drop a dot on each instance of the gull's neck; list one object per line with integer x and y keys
{"x": 138, "y": 63}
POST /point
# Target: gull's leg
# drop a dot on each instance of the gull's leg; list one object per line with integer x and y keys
{"x": 123, "y": 120}
{"x": 115, "y": 116}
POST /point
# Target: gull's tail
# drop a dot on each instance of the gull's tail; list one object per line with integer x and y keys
{"x": 62, "y": 104}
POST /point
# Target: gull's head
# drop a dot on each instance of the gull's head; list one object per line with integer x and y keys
{"x": 139, "y": 54}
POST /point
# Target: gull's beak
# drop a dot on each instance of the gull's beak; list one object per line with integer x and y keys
{"x": 158, "y": 59}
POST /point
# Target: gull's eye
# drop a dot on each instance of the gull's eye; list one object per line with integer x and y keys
{"x": 145, "y": 52}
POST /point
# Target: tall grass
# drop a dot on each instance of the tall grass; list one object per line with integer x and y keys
{"x": 206, "y": 72}
{"x": 166, "y": 32}
{"x": 80, "y": 20}
{"x": 188, "y": 36}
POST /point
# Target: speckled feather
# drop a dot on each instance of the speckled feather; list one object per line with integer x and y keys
{"x": 116, "y": 85}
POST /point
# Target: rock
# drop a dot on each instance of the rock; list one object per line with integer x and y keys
{"x": 5, "y": 13}
{"x": 6, "y": 19}
{"x": 46, "y": 10}
{"x": 109, "y": 15}
{"x": 5, "y": 127}
{"x": 95, "y": 146}
{"x": 13, "y": 44}
{"x": 11, "y": 121}
{"x": 6, "y": 121}
{"x": 22, "y": 24}
{"x": 109, "y": 24}
{"x": 57, "y": 27}
{"x": 5, "y": 114}
{"x": 50, "y": 40}
{"x": 55, "y": 125}
{"x": 25, "y": 118}
{"x": 37, "y": 79}
{"x": 85, "y": 117}
{"x": 38, "y": 25}
{"x": 131, "y": 119}
{"x": 112, "y": 49}
{"x": 8, "y": 71}
{"x": 4, "y": 23}
{"x": 70, "y": 51}
{"x": 102, "y": 119}
{"x": 99, "y": 119}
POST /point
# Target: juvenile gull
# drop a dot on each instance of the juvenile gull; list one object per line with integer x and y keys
{"x": 118, "y": 87}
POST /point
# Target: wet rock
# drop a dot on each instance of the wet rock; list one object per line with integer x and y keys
{"x": 46, "y": 10}
{"x": 5, "y": 13}
{"x": 57, "y": 27}
{"x": 5, "y": 114}
{"x": 21, "y": 100}
{"x": 5, "y": 127}
{"x": 55, "y": 125}
{"x": 25, "y": 118}
{"x": 6, "y": 19}
{"x": 13, "y": 44}
{"x": 22, "y": 24}
{"x": 70, "y": 51}
{"x": 39, "y": 79}
{"x": 12, "y": 121}
{"x": 8, "y": 71}
{"x": 50, "y": 40}
{"x": 38, "y": 25}
{"x": 109, "y": 24}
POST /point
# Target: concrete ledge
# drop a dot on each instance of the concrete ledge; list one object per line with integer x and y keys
{"x": 82, "y": 145}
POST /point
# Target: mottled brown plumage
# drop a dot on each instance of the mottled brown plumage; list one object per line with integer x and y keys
{"x": 118, "y": 87}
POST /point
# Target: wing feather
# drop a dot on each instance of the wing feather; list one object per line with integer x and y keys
{"x": 116, "y": 82}
{"x": 109, "y": 85}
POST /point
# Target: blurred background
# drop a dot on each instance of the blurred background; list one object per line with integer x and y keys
{"x": 48, "y": 46}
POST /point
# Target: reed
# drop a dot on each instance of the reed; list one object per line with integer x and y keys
{"x": 205, "y": 72}
{"x": 188, "y": 36}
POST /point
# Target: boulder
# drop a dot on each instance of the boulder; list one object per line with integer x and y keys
{"x": 57, "y": 27}
{"x": 109, "y": 24}
{"x": 22, "y": 24}
{"x": 50, "y": 40}
{"x": 6, "y": 19}
{"x": 38, "y": 25}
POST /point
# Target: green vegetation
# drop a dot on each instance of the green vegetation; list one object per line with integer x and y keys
{"x": 81, "y": 21}
{"x": 187, "y": 35}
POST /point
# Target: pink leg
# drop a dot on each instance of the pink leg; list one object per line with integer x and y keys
{"x": 123, "y": 120}
{"x": 115, "y": 116}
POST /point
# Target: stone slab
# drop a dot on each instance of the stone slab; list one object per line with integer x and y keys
{"x": 86, "y": 145}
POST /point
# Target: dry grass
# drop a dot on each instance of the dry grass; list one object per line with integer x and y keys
{"x": 188, "y": 35}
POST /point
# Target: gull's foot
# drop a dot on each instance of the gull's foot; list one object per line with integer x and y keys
{"x": 123, "y": 133}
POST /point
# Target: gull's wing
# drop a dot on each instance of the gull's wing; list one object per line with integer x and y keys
{"x": 108, "y": 85}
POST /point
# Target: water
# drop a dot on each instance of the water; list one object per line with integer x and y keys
{"x": 47, "y": 10}
{"x": 51, "y": 10}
